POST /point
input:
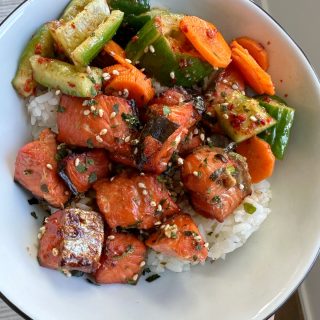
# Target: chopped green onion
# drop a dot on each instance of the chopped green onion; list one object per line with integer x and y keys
{"x": 249, "y": 208}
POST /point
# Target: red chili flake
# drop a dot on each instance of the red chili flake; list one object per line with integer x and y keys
{"x": 281, "y": 80}
{"x": 71, "y": 85}
{"x": 230, "y": 106}
{"x": 237, "y": 119}
{"x": 262, "y": 122}
{"x": 28, "y": 85}
{"x": 286, "y": 95}
{"x": 73, "y": 26}
{"x": 183, "y": 63}
{"x": 211, "y": 33}
{"x": 43, "y": 60}
{"x": 266, "y": 99}
{"x": 134, "y": 38}
{"x": 97, "y": 86}
{"x": 38, "y": 49}
{"x": 185, "y": 29}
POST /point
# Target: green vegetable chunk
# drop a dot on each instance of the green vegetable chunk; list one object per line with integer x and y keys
{"x": 242, "y": 117}
{"x": 277, "y": 136}
{"x": 130, "y": 6}
{"x": 73, "y": 8}
{"x": 66, "y": 77}
{"x": 41, "y": 43}
{"x": 90, "y": 48}
{"x": 249, "y": 208}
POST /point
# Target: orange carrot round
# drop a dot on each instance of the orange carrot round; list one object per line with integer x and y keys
{"x": 207, "y": 40}
{"x": 255, "y": 76}
{"x": 259, "y": 156}
{"x": 117, "y": 53}
{"x": 256, "y": 50}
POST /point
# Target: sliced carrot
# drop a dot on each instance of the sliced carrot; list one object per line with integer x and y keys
{"x": 257, "y": 51}
{"x": 131, "y": 82}
{"x": 207, "y": 40}
{"x": 259, "y": 156}
{"x": 255, "y": 76}
{"x": 117, "y": 53}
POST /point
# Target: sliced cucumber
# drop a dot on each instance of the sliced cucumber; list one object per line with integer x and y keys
{"x": 66, "y": 77}
{"x": 73, "y": 8}
{"x": 277, "y": 136}
{"x": 130, "y": 6}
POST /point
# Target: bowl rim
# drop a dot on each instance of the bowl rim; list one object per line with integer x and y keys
{"x": 19, "y": 8}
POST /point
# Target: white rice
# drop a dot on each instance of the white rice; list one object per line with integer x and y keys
{"x": 223, "y": 237}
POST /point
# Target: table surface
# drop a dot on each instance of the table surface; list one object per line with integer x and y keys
{"x": 7, "y": 6}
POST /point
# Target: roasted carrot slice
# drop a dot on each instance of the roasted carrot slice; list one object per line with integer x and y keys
{"x": 257, "y": 51}
{"x": 255, "y": 76}
{"x": 259, "y": 156}
{"x": 117, "y": 53}
{"x": 207, "y": 40}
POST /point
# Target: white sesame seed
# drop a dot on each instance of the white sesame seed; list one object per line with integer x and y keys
{"x": 111, "y": 237}
{"x": 197, "y": 238}
{"x": 157, "y": 223}
{"x": 202, "y": 137}
{"x": 99, "y": 139}
{"x": 225, "y": 104}
{"x": 145, "y": 192}
{"x": 215, "y": 68}
{"x": 142, "y": 174}
{"x": 159, "y": 208}
{"x": 86, "y": 112}
{"x": 206, "y": 245}
{"x": 177, "y": 140}
{"x": 172, "y": 75}
{"x": 112, "y": 178}
{"x": 103, "y": 132}
{"x": 112, "y": 115}
{"x": 209, "y": 113}
{"x": 146, "y": 49}
{"x": 55, "y": 252}
{"x": 88, "y": 69}
{"x": 106, "y": 76}
{"x": 135, "y": 277}
{"x": 135, "y": 151}
{"x": 49, "y": 166}
{"x": 135, "y": 141}
{"x": 126, "y": 93}
{"x": 115, "y": 72}
{"x": 127, "y": 139}
{"x": 225, "y": 81}
{"x": 153, "y": 204}
{"x": 253, "y": 118}
{"x": 143, "y": 69}
{"x": 225, "y": 116}
{"x": 163, "y": 226}
{"x": 152, "y": 50}
{"x": 169, "y": 164}
{"x": 128, "y": 60}
{"x": 77, "y": 161}
{"x": 141, "y": 185}
{"x": 241, "y": 186}
{"x": 66, "y": 193}
{"x": 243, "y": 92}
{"x": 93, "y": 108}
{"x": 58, "y": 92}
{"x": 101, "y": 112}
{"x": 137, "y": 62}
{"x": 120, "y": 93}
{"x": 67, "y": 273}
{"x": 142, "y": 264}
{"x": 181, "y": 183}
{"x": 196, "y": 131}
{"x": 85, "y": 103}
{"x": 180, "y": 161}
{"x": 196, "y": 173}
{"x": 235, "y": 86}
{"x": 112, "y": 53}
{"x": 209, "y": 139}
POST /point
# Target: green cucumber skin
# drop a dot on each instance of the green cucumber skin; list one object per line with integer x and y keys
{"x": 91, "y": 47}
{"x": 134, "y": 7}
{"x": 23, "y": 77}
{"x": 66, "y": 77}
{"x": 139, "y": 21}
{"x": 73, "y": 8}
{"x": 278, "y": 136}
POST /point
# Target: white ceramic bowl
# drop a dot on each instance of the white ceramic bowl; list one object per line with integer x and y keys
{"x": 254, "y": 280}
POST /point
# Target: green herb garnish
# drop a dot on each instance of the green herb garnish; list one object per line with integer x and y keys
{"x": 81, "y": 168}
{"x": 153, "y": 277}
{"x": 249, "y": 208}
{"x": 89, "y": 162}
{"x": 115, "y": 108}
{"x": 131, "y": 120}
{"x": 61, "y": 109}
{"x": 90, "y": 143}
{"x": 92, "y": 177}
{"x": 44, "y": 188}
{"x": 216, "y": 199}
{"x": 166, "y": 110}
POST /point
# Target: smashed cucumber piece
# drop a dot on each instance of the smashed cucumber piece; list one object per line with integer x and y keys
{"x": 91, "y": 47}
{"x": 278, "y": 135}
{"x": 242, "y": 117}
{"x": 73, "y": 8}
{"x": 41, "y": 43}
{"x": 134, "y": 7}
{"x": 66, "y": 77}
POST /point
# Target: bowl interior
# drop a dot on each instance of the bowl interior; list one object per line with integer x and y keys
{"x": 255, "y": 279}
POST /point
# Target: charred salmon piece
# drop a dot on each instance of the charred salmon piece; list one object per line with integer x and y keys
{"x": 172, "y": 97}
{"x": 217, "y": 181}
{"x": 179, "y": 237}
{"x": 81, "y": 170}
{"x": 122, "y": 259}
{"x": 134, "y": 201}
{"x": 36, "y": 169}
{"x": 71, "y": 239}
{"x": 99, "y": 122}
{"x": 190, "y": 142}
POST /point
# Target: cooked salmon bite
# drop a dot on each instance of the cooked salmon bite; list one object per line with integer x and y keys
{"x": 134, "y": 201}
{"x": 36, "y": 169}
{"x": 71, "y": 239}
{"x": 81, "y": 170}
{"x": 122, "y": 260}
{"x": 216, "y": 180}
{"x": 101, "y": 122}
{"x": 179, "y": 237}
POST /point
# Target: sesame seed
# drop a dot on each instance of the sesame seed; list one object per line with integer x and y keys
{"x": 66, "y": 193}
{"x": 241, "y": 186}
{"x": 253, "y": 118}
{"x": 152, "y": 50}
{"x": 55, "y": 252}
{"x": 157, "y": 223}
{"x": 142, "y": 185}
{"x": 115, "y": 72}
{"x": 142, "y": 174}
{"x": 209, "y": 139}
{"x": 159, "y": 208}
{"x": 93, "y": 108}
{"x": 103, "y": 132}
{"x": 137, "y": 62}
{"x": 112, "y": 178}
{"x": 112, "y": 53}
{"x": 49, "y": 166}
{"x": 225, "y": 104}
{"x": 180, "y": 161}
{"x": 106, "y": 76}
{"x": 235, "y": 86}
{"x": 120, "y": 93}
{"x": 196, "y": 173}
{"x": 225, "y": 81}
{"x": 126, "y": 93}
{"x": 128, "y": 60}
{"x": 169, "y": 164}
{"x": 143, "y": 69}
{"x": 206, "y": 245}
{"x": 101, "y": 112}
{"x": 145, "y": 192}
{"x": 209, "y": 113}
{"x": 85, "y": 103}
{"x": 243, "y": 92}
{"x": 202, "y": 136}
{"x": 225, "y": 116}
{"x": 99, "y": 139}
{"x": 153, "y": 204}
{"x": 197, "y": 238}
{"x": 172, "y": 75}
{"x": 112, "y": 115}
{"x": 177, "y": 140}
{"x": 196, "y": 131}
{"x": 66, "y": 273}
{"x": 142, "y": 264}
{"x": 86, "y": 112}
{"x": 58, "y": 92}
{"x": 111, "y": 237}
{"x": 88, "y": 69}
{"x": 127, "y": 139}
{"x": 135, "y": 151}
{"x": 146, "y": 49}
{"x": 135, "y": 277}
{"x": 215, "y": 68}
{"x": 135, "y": 141}
{"x": 181, "y": 183}
{"x": 77, "y": 162}
{"x": 163, "y": 226}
